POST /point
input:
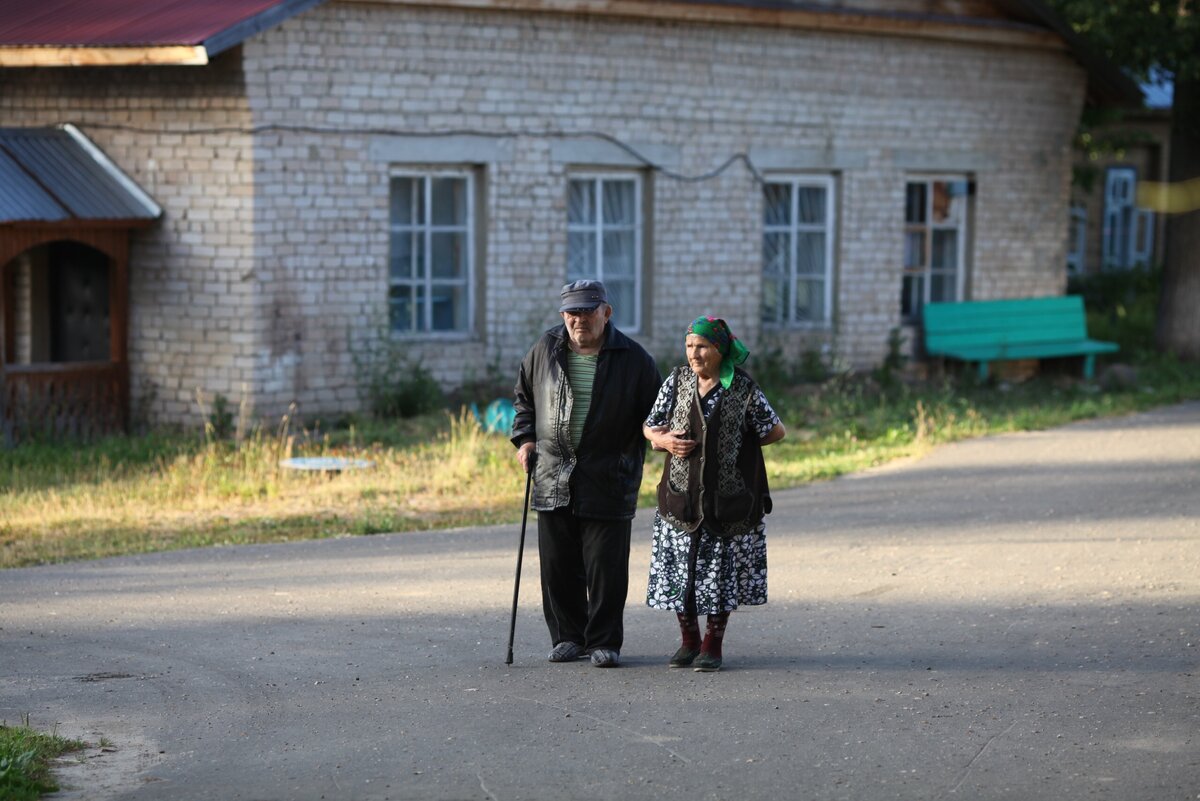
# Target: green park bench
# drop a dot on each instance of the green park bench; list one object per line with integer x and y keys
{"x": 985, "y": 331}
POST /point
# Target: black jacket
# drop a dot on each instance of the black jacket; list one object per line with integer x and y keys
{"x": 602, "y": 479}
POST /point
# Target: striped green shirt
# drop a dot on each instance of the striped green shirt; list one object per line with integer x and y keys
{"x": 581, "y": 374}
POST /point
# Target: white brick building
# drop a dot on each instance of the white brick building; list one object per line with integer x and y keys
{"x": 310, "y": 173}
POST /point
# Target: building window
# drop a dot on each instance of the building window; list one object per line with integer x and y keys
{"x": 604, "y": 240}
{"x": 430, "y": 265}
{"x": 935, "y": 237}
{"x": 1077, "y": 240}
{"x": 798, "y": 233}
{"x": 1128, "y": 230}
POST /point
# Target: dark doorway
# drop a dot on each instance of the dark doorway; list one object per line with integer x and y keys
{"x": 78, "y": 308}
{"x": 63, "y": 330}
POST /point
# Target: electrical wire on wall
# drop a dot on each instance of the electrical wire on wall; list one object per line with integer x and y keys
{"x": 647, "y": 162}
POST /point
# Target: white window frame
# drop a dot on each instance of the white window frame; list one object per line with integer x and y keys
{"x": 1128, "y": 230}
{"x": 427, "y": 229}
{"x": 1077, "y": 240}
{"x": 793, "y": 228}
{"x": 599, "y": 178}
{"x": 963, "y": 227}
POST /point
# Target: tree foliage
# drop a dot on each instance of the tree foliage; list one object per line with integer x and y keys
{"x": 1148, "y": 38}
{"x": 1143, "y": 36}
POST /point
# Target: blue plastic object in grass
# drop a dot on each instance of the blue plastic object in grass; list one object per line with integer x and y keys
{"x": 497, "y": 417}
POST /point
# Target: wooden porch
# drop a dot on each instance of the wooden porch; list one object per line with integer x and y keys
{"x": 63, "y": 399}
{"x": 66, "y": 218}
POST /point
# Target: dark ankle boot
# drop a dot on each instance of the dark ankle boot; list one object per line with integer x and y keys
{"x": 709, "y": 660}
{"x": 689, "y": 629}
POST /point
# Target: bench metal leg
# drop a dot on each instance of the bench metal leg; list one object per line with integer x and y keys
{"x": 983, "y": 371}
{"x": 1089, "y": 366}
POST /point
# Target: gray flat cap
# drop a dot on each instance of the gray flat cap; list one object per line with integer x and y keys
{"x": 583, "y": 295}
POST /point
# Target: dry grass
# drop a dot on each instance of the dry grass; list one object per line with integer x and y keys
{"x": 140, "y": 494}
{"x": 230, "y": 492}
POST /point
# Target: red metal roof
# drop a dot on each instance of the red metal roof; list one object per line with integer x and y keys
{"x": 123, "y": 23}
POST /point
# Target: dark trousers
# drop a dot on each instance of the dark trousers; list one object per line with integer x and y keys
{"x": 585, "y": 578}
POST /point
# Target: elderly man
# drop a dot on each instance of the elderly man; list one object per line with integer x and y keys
{"x": 581, "y": 396}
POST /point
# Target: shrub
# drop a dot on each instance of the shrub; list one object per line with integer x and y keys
{"x": 391, "y": 382}
{"x": 770, "y": 370}
{"x": 777, "y": 374}
{"x": 493, "y": 384}
{"x": 1122, "y": 307}
{"x": 220, "y": 418}
{"x": 403, "y": 389}
{"x": 887, "y": 373}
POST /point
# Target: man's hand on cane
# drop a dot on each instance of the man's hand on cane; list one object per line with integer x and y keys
{"x": 526, "y": 455}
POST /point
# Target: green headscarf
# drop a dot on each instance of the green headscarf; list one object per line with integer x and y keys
{"x": 732, "y": 351}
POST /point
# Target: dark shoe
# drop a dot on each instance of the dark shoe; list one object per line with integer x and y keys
{"x": 606, "y": 657}
{"x": 684, "y": 657}
{"x": 566, "y": 651}
{"x": 707, "y": 664}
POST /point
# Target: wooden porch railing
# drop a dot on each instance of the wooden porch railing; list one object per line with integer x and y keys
{"x": 77, "y": 400}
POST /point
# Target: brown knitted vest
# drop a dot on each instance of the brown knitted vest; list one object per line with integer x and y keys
{"x": 723, "y": 482}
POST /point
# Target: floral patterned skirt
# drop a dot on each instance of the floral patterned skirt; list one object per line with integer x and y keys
{"x": 729, "y": 573}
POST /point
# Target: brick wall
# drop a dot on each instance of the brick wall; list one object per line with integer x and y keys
{"x": 868, "y": 110}
{"x": 271, "y": 262}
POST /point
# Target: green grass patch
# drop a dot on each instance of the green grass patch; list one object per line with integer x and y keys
{"x": 25, "y": 757}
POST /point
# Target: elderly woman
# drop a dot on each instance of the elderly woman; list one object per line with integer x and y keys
{"x": 710, "y": 552}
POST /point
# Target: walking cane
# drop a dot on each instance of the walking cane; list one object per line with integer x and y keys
{"x": 512, "y": 625}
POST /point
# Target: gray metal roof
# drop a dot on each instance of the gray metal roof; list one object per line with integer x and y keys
{"x": 58, "y": 174}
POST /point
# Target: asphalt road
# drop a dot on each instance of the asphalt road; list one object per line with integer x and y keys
{"x": 1008, "y": 618}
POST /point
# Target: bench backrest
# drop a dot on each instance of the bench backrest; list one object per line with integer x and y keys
{"x": 988, "y": 322}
